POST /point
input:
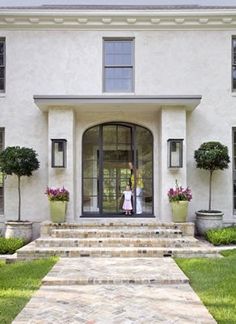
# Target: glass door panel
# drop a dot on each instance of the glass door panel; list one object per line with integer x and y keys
{"x": 116, "y": 172}
{"x": 91, "y": 170}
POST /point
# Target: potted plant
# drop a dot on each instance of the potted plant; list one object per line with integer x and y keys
{"x": 19, "y": 161}
{"x": 179, "y": 199}
{"x": 210, "y": 156}
{"x": 58, "y": 203}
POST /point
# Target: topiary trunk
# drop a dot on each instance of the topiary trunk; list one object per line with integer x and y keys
{"x": 19, "y": 202}
{"x": 210, "y": 185}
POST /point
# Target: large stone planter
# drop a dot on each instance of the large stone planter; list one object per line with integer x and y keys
{"x": 20, "y": 229}
{"x": 179, "y": 211}
{"x": 206, "y": 220}
{"x": 58, "y": 211}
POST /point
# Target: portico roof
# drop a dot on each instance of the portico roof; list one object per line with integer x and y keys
{"x": 88, "y": 103}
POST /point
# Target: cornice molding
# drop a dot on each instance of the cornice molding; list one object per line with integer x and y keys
{"x": 115, "y": 19}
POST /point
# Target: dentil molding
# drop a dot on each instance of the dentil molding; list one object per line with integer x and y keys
{"x": 118, "y": 19}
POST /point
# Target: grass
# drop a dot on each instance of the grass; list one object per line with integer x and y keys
{"x": 221, "y": 236}
{"x": 18, "y": 281}
{"x": 214, "y": 280}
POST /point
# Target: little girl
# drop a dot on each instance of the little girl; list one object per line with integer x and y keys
{"x": 127, "y": 205}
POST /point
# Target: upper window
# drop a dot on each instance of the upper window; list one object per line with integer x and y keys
{"x": 118, "y": 65}
{"x": 2, "y": 64}
{"x": 234, "y": 64}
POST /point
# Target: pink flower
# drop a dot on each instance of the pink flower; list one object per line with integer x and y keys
{"x": 57, "y": 194}
{"x": 179, "y": 193}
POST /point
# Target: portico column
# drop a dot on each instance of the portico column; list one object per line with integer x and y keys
{"x": 61, "y": 125}
{"x": 173, "y": 126}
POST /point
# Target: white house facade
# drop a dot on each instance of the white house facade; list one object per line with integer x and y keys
{"x": 104, "y": 94}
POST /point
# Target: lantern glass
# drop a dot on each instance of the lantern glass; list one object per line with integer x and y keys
{"x": 58, "y": 153}
{"x": 175, "y": 153}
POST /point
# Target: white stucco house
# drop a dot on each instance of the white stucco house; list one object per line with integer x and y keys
{"x": 102, "y": 91}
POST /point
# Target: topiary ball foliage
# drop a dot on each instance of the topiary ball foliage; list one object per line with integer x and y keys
{"x": 212, "y": 156}
{"x": 21, "y": 161}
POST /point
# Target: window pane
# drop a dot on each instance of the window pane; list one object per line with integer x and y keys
{"x": 145, "y": 167}
{"x": 109, "y": 134}
{"x": 124, "y": 134}
{"x": 118, "y": 47}
{"x": 143, "y": 135}
{"x": 1, "y": 47}
{"x": 90, "y": 169}
{"x": 90, "y": 151}
{"x": 90, "y": 204}
{"x": 121, "y": 85}
{"x": 2, "y": 64}
{"x": 234, "y": 51}
{"x": 234, "y": 77}
{"x": 118, "y": 73}
{"x": 2, "y": 72}
{"x": 109, "y": 204}
{"x": 90, "y": 187}
{"x": 91, "y": 135}
{"x": 2, "y": 85}
{"x": 118, "y": 59}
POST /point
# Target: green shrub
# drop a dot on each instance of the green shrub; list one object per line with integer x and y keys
{"x": 10, "y": 245}
{"x": 222, "y": 236}
{"x": 229, "y": 253}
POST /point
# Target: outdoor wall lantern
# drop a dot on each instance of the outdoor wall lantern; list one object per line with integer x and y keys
{"x": 175, "y": 153}
{"x": 59, "y": 153}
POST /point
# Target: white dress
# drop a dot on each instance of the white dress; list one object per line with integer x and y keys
{"x": 127, "y": 205}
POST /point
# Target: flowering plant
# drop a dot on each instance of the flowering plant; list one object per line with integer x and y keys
{"x": 179, "y": 193}
{"x": 57, "y": 194}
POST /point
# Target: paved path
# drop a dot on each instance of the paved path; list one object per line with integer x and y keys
{"x": 115, "y": 290}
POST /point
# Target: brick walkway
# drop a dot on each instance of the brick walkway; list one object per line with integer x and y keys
{"x": 115, "y": 290}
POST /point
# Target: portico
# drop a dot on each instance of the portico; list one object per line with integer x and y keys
{"x": 96, "y": 180}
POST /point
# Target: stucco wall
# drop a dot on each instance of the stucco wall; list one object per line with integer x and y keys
{"x": 166, "y": 63}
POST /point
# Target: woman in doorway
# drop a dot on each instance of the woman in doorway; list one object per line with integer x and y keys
{"x": 137, "y": 181}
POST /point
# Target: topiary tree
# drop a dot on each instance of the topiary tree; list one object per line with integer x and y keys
{"x": 212, "y": 156}
{"x": 21, "y": 161}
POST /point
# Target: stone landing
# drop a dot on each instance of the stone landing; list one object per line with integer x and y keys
{"x": 73, "y": 271}
{"x": 116, "y": 238}
{"x": 115, "y": 291}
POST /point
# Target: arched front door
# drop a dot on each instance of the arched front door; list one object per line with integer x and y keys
{"x": 117, "y": 155}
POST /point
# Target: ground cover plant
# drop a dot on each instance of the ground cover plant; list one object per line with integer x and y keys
{"x": 214, "y": 282}
{"x": 18, "y": 281}
{"x": 10, "y": 245}
{"x": 222, "y": 236}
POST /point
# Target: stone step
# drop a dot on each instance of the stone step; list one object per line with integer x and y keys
{"x": 114, "y": 233}
{"x": 97, "y": 271}
{"x": 30, "y": 251}
{"x": 118, "y": 242}
{"x": 127, "y": 223}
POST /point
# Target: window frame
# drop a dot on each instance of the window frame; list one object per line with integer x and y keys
{"x": 233, "y": 167}
{"x": 104, "y": 66}
{"x": 2, "y": 130}
{"x": 3, "y": 39}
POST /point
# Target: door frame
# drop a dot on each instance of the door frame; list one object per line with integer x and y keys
{"x": 101, "y": 214}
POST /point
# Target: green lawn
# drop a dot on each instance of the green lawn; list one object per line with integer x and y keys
{"x": 214, "y": 280}
{"x": 18, "y": 281}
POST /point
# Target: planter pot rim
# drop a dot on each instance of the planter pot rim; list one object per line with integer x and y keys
{"x": 179, "y": 201}
{"x": 209, "y": 213}
{"x": 18, "y": 222}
